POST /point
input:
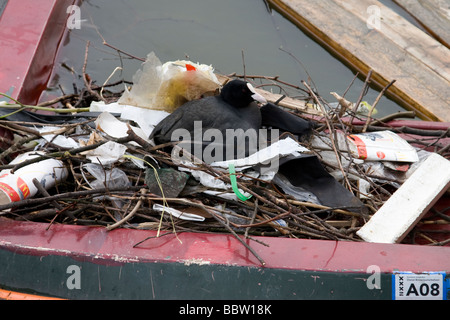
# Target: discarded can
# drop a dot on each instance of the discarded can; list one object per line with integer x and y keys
{"x": 19, "y": 185}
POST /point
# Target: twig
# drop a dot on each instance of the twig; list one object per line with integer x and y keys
{"x": 58, "y": 154}
{"x": 131, "y": 214}
{"x": 273, "y": 78}
{"x": 393, "y": 116}
{"x": 37, "y": 107}
{"x": 87, "y": 82}
{"x": 243, "y": 64}
{"x": 16, "y": 146}
{"x": 301, "y": 64}
{"x": 153, "y": 237}
{"x": 369, "y": 116}
{"x": 66, "y": 195}
{"x": 56, "y": 100}
{"x": 362, "y": 94}
{"x": 105, "y": 43}
{"x": 338, "y": 158}
{"x": 238, "y": 238}
{"x": 110, "y": 76}
{"x": 255, "y": 210}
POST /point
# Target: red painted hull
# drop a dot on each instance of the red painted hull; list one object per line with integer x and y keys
{"x": 116, "y": 247}
{"x": 30, "y": 34}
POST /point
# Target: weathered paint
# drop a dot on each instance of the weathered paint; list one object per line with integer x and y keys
{"x": 47, "y": 275}
{"x": 212, "y": 266}
{"x": 30, "y": 34}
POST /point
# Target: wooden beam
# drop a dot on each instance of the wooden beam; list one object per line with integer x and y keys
{"x": 396, "y": 50}
{"x": 406, "y": 36}
{"x": 433, "y": 15}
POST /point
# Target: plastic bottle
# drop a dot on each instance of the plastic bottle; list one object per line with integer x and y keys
{"x": 19, "y": 185}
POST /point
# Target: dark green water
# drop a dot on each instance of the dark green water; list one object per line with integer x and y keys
{"x": 212, "y": 32}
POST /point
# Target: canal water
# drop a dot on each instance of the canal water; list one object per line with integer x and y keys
{"x": 214, "y": 32}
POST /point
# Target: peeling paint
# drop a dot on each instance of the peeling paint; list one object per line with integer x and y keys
{"x": 199, "y": 262}
{"x": 315, "y": 278}
{"x": 39, "y": 249}
{"x": 118, "y": 258}
{"x": 51, "y": 251}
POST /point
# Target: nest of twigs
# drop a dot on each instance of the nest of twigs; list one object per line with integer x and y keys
{"x": 269, "y": 212}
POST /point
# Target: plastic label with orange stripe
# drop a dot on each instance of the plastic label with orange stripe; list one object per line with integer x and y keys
{"x": 381, "y": 146}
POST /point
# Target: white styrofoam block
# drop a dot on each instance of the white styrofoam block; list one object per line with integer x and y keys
{"x": 400, "y": 213}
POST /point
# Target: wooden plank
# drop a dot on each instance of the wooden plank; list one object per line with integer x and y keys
{"x": 395, "y": 219}
{"x": 409, "y": 38}
{"x": 396, "y": 51}
{"x": 433, "y": 15}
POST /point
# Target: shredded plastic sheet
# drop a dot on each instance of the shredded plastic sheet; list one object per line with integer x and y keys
{"x": 115, "y": 128}
{"x": 146, "y": 119}
{"x": 106, "y": 154}
{"x": 281, "y": 148}
{"x": 167, "y": 86}
{"x": 267, "y": 157}
{"x": 177, "y": 213}
{"x": 58, "y": 140}
{"x": 103, "y": 177}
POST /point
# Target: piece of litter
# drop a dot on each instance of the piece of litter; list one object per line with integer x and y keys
{"x": 165, "y": 182}
{"x": 100, "y": 106}
{"x": 107, "y": 153}
{"x": 115, "y": 128}
{"x": 233, "y": 180}
{"x": 381, "y": 145}
{"x": 146, "y": 119}
{"x": 177, "y": 213}
{"x": 398, "y": 215}
{"x": 279, "y": 149}
{"x": 59, "y": 140}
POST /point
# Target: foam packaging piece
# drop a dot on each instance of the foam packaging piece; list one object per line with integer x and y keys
{"x": 401, "y": 212}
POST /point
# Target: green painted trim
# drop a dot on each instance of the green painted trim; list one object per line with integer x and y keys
{"x": 48, "y": 275}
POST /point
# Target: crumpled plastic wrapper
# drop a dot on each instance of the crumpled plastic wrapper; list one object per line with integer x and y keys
{"x": 167, "y": 86}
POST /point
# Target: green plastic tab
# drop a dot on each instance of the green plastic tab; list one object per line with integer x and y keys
{"x": 234, "y": 183}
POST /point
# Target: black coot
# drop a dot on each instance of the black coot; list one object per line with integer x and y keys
{"x": 235, "y": 108}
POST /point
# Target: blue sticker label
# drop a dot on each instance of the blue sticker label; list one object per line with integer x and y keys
{"x": 419, "y": 286}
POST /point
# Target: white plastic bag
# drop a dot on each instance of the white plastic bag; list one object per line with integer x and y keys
{"x": 167, "y": 86}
